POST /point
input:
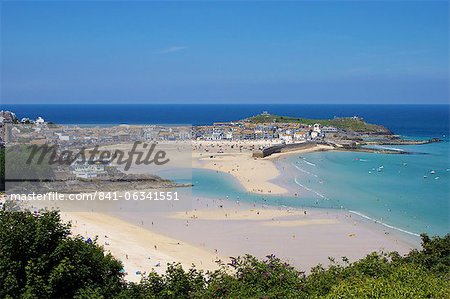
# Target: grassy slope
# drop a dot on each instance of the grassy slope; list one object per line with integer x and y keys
{"x": 341, "y": 123}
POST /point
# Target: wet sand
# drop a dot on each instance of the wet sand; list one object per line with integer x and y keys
{"x": 235, "y": 158}
{"x": 303, "y": 237}
{"x": 213, "y": 229}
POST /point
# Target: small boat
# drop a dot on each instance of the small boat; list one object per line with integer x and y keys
{"x": 432, "y": 172}
{"x": 424, "y": 176}
{"x": 436, "y": 178}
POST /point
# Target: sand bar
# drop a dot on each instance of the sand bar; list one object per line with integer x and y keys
{"x": 235, "y": 158}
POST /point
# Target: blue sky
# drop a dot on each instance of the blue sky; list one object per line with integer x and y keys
{"x": 225, "y": 52}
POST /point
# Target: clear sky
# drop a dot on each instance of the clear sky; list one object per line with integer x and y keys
{"x": 225, "y": 52}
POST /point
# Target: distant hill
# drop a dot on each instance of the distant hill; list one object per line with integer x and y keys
{"x": 345, "y": 123}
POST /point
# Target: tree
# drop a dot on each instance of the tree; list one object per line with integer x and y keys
{"x": 39, "y": 259}
{"x": 434, "y": 256}
{"x": 2, "y": 169}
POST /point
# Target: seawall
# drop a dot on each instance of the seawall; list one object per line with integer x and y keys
{"x": 282, "y": 148}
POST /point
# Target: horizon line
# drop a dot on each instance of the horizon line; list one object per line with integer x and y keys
{"x": 213, "y": 104}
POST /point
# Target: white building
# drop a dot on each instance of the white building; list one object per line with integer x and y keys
{"x": 229, "y": 135}
{"x": 299, "y": 136}
{"x": 89, "y": 169}
{"x": 184, "y": 135}
{"x": 63, "y": 137}
{"x": 150, "y": 133}
{"x": 217, "y": 134}
{"x": 316, "y": 128}
{"x": 40, "y": 121}
{"x": 329, "y": 130}
{"x": 287, "y": 138}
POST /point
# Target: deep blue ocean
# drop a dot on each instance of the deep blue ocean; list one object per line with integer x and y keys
{"x": 399, "y": 196}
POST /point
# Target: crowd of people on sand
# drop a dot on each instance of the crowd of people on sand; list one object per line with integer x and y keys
{"x": 224, "y": 146}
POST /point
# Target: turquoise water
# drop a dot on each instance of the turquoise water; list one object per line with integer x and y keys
{"x": 398, "y": 195}
{"x": 388, "y": 188}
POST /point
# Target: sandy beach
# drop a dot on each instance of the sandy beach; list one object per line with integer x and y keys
{"x": 212, "y": 229}
{"x": 217, "y": 229}
{"x": 235, "y": 158}
{"x": 232, "y": 157}
{"x": 140, "y": 250}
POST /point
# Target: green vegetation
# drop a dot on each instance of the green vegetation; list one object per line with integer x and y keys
{"x": 344, "y": 123}
{"x": 24, "y": 172}
{"x": 39, "y": 259}
{"x": 2, "y": 169}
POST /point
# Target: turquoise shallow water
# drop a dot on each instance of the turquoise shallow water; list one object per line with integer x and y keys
{"x": 398, "y": 195}
{"x": 388, "y": 188}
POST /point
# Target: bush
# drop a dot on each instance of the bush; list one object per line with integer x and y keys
{"x": 39, "y": 259}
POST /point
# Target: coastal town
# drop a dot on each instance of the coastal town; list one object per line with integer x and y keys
{"x": 252, "y": 138}
{"x": 45, "y": 132}
{"x": 349, "y": 132}
{"x": 221, "y": 146}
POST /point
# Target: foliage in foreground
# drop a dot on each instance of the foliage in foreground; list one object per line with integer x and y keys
{"x": 39, "y": 259}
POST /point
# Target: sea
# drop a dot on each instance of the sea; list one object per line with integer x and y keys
{"x": 407, "y": 193}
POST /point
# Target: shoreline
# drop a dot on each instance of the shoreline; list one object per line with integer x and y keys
{"x": 256, "y": 175}
{"x": 216, "y": 229}
{"x": 247, "y": 180}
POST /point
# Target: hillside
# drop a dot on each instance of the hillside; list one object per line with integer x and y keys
{"x": 343, "y": 123}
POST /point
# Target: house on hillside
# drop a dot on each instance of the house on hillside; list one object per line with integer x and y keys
{"x": 89, "y": 169}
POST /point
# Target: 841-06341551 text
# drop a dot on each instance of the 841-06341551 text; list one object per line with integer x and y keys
{"x": 100, "y": 196}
